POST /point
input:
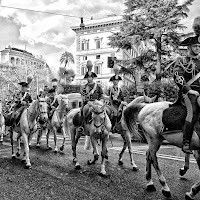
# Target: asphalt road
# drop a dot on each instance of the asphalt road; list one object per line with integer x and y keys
{"x": 53, "y": 176}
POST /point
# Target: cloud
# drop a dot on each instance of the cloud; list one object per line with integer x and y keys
{"x": 51, "y": 35}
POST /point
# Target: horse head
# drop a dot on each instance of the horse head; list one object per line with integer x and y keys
{"x": 149, "y": 99}
{"x": 98, "y": 117}
{"x": 42, "y": 109}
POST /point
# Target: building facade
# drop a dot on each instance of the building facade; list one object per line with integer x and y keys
{"x": 19, "y": 57}
{"x": 92, "y": 44}
{"x": 16, "y": 64}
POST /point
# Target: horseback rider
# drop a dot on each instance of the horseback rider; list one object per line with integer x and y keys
{"x": 90, "y": 92}
{"x": 186, "y": 76}
{"x": 52, "y": 102}
{"x": 116, "y": 97}
{"x": 22, "y": 101}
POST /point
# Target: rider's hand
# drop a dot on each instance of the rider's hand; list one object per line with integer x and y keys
{"x": 194, "y": 92}
{"x": 90, "y": 103}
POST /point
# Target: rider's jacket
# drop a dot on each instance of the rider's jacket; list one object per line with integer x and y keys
{"x": 185, "y": 68}
{"x": 91, "y": 92}
{"x": 116, "y": 95}
{"x": 52, "y": 102}
{"x": 26, "y": 97}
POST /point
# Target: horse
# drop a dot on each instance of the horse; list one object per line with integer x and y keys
{"x": 122, "y": 130}
{"x": 97, "y": 125}
{"x": 55, "y": 123}
{"x": 154, "y": 119}
{"x": 2, "y": 124}
{"x": 27, "y": 125}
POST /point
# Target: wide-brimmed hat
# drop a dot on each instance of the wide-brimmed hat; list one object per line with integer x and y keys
{"x": 116, "y": 78}
{"x": 190, "y": 41}
{"x": 23, "y": 84}
{"x": 90, "y": 74}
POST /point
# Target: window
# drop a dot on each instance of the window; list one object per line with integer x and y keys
{"x": 98, "y": 44}
{"x": 84, "y": 57}
{"x": 97, "y": 56}
{"x": 83, "y": 70}
{"x": 85, "y": 45}
{"x": 97, "y": 69}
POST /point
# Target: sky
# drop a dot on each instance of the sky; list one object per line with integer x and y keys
{"x": 50, "y": 35}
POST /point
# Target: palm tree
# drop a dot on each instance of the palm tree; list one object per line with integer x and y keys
{"x": 66, "y": 57}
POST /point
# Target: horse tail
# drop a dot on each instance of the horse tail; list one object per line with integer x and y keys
{"x": 130, "y": 119}
{"x": 87, "y": 145}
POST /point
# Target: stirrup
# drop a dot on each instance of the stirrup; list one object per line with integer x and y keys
{"x": 80, "y": 129}
{"x": 186, "y": 149}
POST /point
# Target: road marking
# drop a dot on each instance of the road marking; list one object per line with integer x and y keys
{"x": 170, "y": 157}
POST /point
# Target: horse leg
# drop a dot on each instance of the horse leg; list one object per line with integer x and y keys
{"x": 95, "y": 150}
{"x": 18, "y": 145}
{"x": 153, "y": 148}
{"x": 47, "y": 138}
{"x": 184, "y": 169}
{"x": 1, "y": 133}
{"x": 104, "y": 153}
{"x": 128, "y": 141}
{"x": 74, "y": 138}
{"x": 55, "y": 139}
{"x": 12, "y": 143}
{"x": 64, "y": 138}
{"x": 196, "y": 187}
{"x": 120, "y": 162}
{"x": 26, "y": 150}
{"x": 39, "y": 138}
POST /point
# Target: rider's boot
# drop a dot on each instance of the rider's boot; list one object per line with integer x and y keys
{"x": 113, "y": 122}
{"x": 187, "y": 136}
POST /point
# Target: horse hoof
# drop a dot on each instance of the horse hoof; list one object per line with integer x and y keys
{"x": 102, "y": 175}
{"x": 13, "y": 157}
{"x": 55, "y": 151}
{"x": 1, "y": 142}
{"x": 188, "y": 197}
{"x": 120, "y": 162}
{"x": 135, "y": 169}
{"x": 38, "y": 146}
{"x": 27, "y": 167}
{"x": 182, "y": 172}
{"x": 23, "y": 161}
{"x": 151, "y": 188}
{"x": 77, "y": 167}
{"x": 49, "y": 148}
{"x": 166, "y": 193}
{"x": 62, "y": 148}
{"x": 18, "y": 154}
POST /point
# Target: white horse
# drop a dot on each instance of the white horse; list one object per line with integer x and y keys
{"x": 55, "y": 123}
{"x": 153, "y": 118}
{"x": 27, "y": 126}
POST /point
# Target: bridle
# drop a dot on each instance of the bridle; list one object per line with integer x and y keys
{"x": 103, "y": 122}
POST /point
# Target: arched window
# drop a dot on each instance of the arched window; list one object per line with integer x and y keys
{"x": 12, "y": 60}
{"x": 17, "y": 61}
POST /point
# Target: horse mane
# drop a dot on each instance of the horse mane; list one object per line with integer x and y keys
{"x": 130, "y": 117}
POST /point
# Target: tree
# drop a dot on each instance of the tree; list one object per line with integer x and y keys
{"x": 67, "y": 57}
{"x": 157, "y": 22}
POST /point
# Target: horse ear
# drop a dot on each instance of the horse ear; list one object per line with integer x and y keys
{"x": 153, "y": 98}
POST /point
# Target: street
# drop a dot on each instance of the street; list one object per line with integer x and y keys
{"x": 53, "y": 176}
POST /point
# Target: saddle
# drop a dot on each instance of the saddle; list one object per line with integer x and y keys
{"x": 174, "y": 118}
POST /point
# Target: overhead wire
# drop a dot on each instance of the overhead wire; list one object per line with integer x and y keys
{"x": 38, "y": 11}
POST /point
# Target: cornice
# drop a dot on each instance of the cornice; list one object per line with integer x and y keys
{"x": 99, "y": 25}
